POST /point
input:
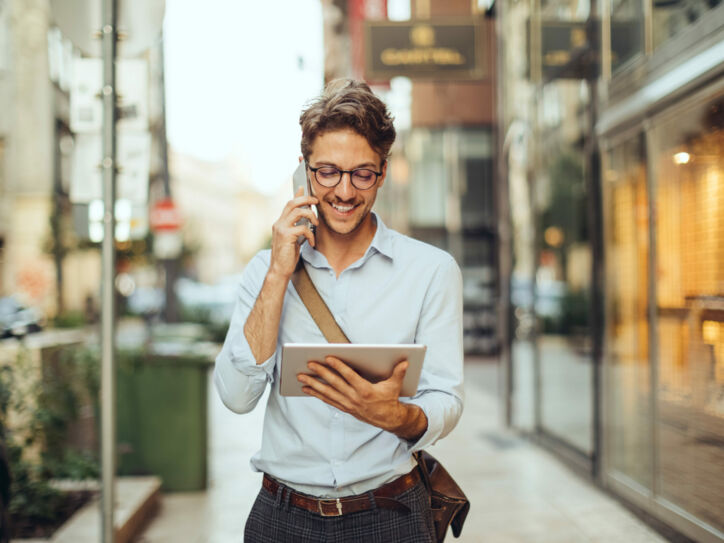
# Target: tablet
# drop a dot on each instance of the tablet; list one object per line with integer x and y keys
{"x": 373, "y": 362}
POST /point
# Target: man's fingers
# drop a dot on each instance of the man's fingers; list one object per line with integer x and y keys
{"x": 302, "y": 230}
{"x": 333, "y": 376}
{"x": 311, "y": 392}
{"x": 302, "y": 212}
{"x": 324, "y": 389}
{"x": 351, "y": 376}
{"x": 300, "y": 199}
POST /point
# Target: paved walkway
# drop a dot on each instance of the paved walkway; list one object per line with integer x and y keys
{"x": 519, "y": 493}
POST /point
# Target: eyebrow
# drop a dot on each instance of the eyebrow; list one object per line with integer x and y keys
{"x": 363, "y": 165}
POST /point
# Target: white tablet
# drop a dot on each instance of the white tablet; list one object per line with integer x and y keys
{"x": 373, "y": 362}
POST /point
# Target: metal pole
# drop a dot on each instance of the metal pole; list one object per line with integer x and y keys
{"x": 505, "y": 242}
{"x": 108, "y": 395}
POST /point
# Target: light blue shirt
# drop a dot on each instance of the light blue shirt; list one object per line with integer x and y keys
{"x": 400, "y": 291}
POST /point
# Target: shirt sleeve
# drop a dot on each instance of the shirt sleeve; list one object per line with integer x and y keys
{"x": 239, "y": 380}
{"x": 440, "y": 392}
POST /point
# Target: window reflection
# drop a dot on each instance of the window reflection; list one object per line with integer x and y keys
{"x": 627, "y": 31}
{"x": 563, "y": 276}
{"x": 670, "y": 17}
{"x": 689, "y": 164}
{"x": 628, "y": 430}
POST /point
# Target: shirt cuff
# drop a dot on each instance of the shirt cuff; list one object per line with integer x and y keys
{"x": 435, "y": 422}
{"x": 243, "y": 360}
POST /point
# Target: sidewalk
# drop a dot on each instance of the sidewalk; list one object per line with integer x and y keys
{"x": 518, "y": 492}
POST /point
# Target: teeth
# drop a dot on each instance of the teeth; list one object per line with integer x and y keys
{"x": 342, "y": 209}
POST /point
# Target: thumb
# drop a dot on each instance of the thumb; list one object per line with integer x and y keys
{"x": 400, "y": 369}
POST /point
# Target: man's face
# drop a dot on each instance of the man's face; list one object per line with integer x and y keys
{"x": 343, "y": 208}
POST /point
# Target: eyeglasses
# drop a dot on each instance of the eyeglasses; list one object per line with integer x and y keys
{"x": 329, "y": 177}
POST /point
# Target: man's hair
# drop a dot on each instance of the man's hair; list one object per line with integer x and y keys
{"x": 346, "y": 103}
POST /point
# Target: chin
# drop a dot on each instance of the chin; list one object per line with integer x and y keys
{"x": 342, "y": 227}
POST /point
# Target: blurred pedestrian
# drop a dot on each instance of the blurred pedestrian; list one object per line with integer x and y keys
{"x": 339, "y": 464}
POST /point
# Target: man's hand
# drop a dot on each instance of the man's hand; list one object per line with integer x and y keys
{"x": 262, "y": 327}
{"x": 377, "y": 404}
{"x": 284, "y": 246}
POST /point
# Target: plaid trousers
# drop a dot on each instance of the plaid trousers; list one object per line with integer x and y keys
{"x": 273, "y": 520}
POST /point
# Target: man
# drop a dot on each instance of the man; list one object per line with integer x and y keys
{"x": 338, "y": 464}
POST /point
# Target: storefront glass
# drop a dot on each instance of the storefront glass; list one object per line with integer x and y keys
{"x": 688, "y": 161}
{"x": 627, "y": 383}
{"x": 671, "y": 18}
{"x": 563, "y": 275}
{"x": 627, "y": 31}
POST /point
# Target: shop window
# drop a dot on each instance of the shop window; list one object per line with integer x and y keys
{"x": 627, "y": 31}
{"x": 627, "y": 434}
{"x": 563, "y": 299}
{"x": 689, "y": 173}
{"x": 671, "y": 17}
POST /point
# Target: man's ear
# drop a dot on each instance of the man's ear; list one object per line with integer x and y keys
{"x": 383, "y": 175}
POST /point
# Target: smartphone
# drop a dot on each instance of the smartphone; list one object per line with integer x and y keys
{"x": 300, "y": 179}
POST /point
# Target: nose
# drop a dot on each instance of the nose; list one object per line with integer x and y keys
{"x": 345, "y": 189}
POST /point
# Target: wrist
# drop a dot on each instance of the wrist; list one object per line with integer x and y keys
{"x": 277, "y": 277}
{"x": 411, "y": 422}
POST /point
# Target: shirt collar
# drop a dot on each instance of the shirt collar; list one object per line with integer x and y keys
{"x": 381, "y": 243}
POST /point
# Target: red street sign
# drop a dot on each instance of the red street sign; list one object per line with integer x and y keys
{"x": 165, "y": 216}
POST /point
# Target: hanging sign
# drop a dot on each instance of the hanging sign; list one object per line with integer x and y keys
{"x": 569, "y": 49}
{"x": 424, "y": 49}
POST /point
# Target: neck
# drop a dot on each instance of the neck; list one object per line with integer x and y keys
{"x": 342, "y": 250}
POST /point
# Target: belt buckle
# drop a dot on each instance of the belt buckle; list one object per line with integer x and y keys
{"x": 331, "y": 502}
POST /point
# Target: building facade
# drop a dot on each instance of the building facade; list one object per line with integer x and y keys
{"x": 615, "y": 187}
{"x": 44, "y": 243}
{"x": 440, "y": 185}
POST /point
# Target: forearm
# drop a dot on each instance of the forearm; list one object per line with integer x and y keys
{"x": 262, "y": 326}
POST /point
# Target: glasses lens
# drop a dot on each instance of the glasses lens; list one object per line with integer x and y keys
{"x": 363, "y": 179}
{"x": 327, "y": 176}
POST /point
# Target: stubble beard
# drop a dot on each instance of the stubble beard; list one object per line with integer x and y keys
{"x": 329, "y": 224}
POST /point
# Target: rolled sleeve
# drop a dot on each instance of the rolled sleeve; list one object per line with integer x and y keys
{"x": 440, "y": 392}
{"x": 239, "y": 380}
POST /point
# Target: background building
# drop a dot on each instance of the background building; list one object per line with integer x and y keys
{"x": 225, "y": 221}
{"x": 46, "y": 242}
{"x": 611, "y": 140}
{"x": 440, "y": 187}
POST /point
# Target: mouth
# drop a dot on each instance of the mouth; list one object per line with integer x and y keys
{"x": 343, "y": 210}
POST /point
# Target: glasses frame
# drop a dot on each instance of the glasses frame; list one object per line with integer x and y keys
{"x": 341, "y": 175}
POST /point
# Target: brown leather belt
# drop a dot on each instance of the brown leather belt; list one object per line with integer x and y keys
{"x": 384, "y": 497}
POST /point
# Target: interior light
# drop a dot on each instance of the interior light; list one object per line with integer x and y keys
{"x": 553, "y": 236}
{"x": 682, "y": 158}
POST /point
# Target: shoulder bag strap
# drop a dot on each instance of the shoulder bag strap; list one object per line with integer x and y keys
{"x": 316, "y": 306}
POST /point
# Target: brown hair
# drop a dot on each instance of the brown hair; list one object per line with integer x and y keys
{"x": 346, "y": 103}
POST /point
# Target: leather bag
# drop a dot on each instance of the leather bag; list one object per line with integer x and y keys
{"x": 448, "y": 503}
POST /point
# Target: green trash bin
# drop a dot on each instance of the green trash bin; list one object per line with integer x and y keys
{"x": 162, "y": 415}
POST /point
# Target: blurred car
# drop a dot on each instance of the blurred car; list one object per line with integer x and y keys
{"x": 215, "y": 302}
{"x": 18, "y": 320}
{"x": 146, "y": 301}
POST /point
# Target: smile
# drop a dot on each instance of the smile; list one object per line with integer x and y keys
{"x": 344, "y": 210}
